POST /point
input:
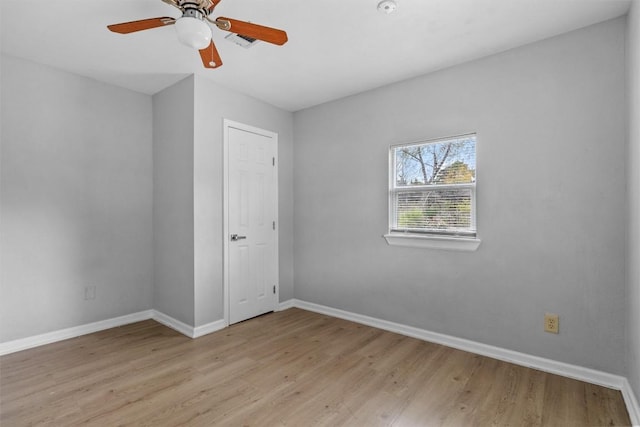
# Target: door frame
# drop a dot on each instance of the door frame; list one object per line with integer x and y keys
{"x": 227, "y": 124}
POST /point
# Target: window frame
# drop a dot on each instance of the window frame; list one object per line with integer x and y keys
{"x": 466, "y": 241}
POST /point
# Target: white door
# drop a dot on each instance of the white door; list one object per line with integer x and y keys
{"x": 252, "y": 202}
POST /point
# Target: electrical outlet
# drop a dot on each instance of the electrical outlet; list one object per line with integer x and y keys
{"x": 551, "y": 323}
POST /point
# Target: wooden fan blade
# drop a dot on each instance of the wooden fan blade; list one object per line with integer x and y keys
{"x": 144, "y": 24}
{"x": 214, "y": 3}
{"x": 267, "y": 34}
{"x": 210, "y": 56}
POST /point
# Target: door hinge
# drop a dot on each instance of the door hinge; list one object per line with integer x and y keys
{"x": 273, "y": 161}
{"x": 274, "y": 225}
{"x": 274, "y": 289}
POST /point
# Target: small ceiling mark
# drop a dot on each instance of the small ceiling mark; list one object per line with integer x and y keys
{"x": 387, "y": 6}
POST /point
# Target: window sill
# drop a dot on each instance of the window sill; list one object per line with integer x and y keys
{"x": 432, "y": 242}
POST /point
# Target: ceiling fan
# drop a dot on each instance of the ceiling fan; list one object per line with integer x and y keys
{"x": 194, "y": 32}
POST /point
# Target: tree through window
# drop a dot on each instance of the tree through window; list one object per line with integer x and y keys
{"x": 433, "y": 187}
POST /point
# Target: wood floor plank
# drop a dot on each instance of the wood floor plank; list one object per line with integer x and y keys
{"x": 436, "y": 397}
{"x": 564, "y": 402}
{"x": 605, "y": 406}
{"x": 291, "y": 368}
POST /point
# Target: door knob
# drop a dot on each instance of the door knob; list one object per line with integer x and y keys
{"x": 235, "y": 237}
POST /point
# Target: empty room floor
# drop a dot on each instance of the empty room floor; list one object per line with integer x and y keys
{"x": 294, "y": 368}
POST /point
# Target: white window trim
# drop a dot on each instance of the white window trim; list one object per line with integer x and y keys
{"x": 423, "y": 240}
{"x": 432, "y": 242}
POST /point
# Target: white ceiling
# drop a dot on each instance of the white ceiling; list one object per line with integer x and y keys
{"x": 336, "y": 47}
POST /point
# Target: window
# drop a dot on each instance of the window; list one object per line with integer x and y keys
{"x": 432, "y": 192}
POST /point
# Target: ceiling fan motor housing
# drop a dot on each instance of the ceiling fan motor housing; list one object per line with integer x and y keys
{"x": 194, "y": 9}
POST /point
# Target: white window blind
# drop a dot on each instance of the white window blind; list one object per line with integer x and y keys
{"x": 432, "y": 187}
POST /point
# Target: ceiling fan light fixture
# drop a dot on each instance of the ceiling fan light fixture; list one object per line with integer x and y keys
{"x": 193, "y": 32}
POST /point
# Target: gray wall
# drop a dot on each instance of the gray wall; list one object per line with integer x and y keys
{"x": 173, "y": 207}
{"x": 214, "y": 103}
{"x": 103, "y": 186}
{"x": 633, "y": 190}
{"x": 187, "y": 154}
{"x": 550, "y": 119}
{"x": 75, "y": 200}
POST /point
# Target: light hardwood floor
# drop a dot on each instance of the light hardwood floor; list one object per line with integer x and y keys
{"x": 293, "y": 368}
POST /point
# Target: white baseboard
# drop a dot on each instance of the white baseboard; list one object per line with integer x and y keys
{"x": 173, "y": 323}
{"x": 209, "y": 328}
{"x": 185, "y": 329}
{"x": 76, "y": 331}
{"x": 632, "y": 403}
{"x": 285, "y": 305}
{"x": 547, "y": 365}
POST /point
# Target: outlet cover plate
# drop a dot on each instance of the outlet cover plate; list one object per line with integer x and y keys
{"x": 551, "y": 323}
